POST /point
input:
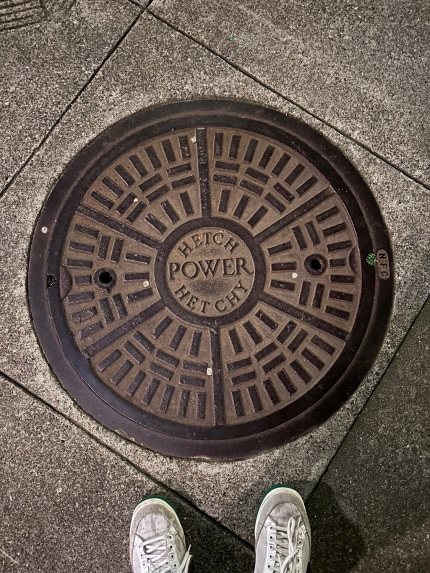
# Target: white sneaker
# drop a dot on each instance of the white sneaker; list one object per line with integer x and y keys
{"x": 282, "y": 533}
{"x": 157, "y": 540}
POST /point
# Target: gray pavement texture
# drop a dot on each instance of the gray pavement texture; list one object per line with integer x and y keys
{"x": 44, "y": 67}
{"x": 360, "y": 66}
{"x": 66, "y": 79}
{"x": 371, "y": 510}
{"x": 67, "y": 501}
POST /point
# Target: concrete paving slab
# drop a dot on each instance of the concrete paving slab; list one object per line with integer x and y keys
{"x": 359, "y": 66}
{"x": 142, "y": 73}
{"x": 371, "y": 511}
{"x": 44, "y": 66}
{"x": 67, "y": 501}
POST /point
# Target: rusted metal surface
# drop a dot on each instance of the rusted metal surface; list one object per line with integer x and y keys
{"x": 205, "y": 290}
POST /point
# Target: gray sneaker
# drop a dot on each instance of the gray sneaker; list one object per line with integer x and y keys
{"x": 157, "y": 540}
{"x": 282, "y": 533}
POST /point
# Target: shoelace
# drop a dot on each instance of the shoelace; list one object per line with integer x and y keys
{"x": 286, "y": 546}
{"x": 155, "y": 553}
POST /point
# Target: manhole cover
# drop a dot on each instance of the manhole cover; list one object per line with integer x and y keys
{"x": 198, "y": 279}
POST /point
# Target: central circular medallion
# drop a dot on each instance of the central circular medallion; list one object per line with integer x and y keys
{"x": 210, "y": 272}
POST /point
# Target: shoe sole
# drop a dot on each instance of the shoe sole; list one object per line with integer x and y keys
{"x": 296, "y": 499}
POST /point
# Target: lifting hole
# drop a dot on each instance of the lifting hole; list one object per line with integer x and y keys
{"x": 315, "y": 264}
{"x": 105, "y": 277}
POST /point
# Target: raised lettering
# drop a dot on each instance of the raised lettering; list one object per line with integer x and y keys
{"x": 231, "y": 244}
{"x": 232, "y": 298}
{"x": 216, "y": 236}
{"x": 185, "y": 249}
{"x": 209, "y": 267}
{"x": 239, "y": 286}
{"x": 241, "y": 264}
{"x": 205, "y": 280}
{"x": 227, "y": 265}
{"x": 173, "y": 268}
{"x": 192, "y": 272}
{"x": 197, "y": 240}
{"x": 192, "y": 302}
{"x": 182, "y": 291}
{"x": 383, "y": 264}
{"x": 218, "y": 306}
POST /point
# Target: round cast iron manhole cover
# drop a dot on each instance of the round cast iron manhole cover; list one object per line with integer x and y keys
{"x": 198, "y": 279}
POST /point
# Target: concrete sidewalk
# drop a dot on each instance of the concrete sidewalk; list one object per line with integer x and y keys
{"x": 358, "y": 74}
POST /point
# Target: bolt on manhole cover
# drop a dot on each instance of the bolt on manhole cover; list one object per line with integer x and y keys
{"x": 210, "y": 279}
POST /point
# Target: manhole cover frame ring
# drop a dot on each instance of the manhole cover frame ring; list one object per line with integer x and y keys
{"x": 56, "y": 351}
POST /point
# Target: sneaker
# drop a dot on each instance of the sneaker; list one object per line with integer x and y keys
{"x": 157, "y": 540}
{"x": 282, "y": 533}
